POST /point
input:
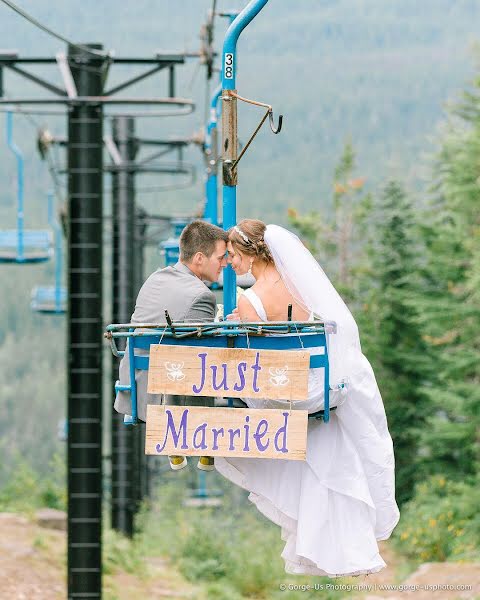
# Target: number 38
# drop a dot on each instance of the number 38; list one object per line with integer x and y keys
{"x": 229, "y": 66}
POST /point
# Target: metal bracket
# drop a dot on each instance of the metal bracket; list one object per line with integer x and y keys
{"x": 112, "y": 150}
{"x": 66, "y": 73}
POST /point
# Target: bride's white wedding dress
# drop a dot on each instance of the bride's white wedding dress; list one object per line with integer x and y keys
{"x": 333, "y": 507}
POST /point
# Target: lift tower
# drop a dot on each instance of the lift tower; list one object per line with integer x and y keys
{"x": 84, "y": 71}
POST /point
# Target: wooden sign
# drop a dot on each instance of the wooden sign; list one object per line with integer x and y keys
{"x": 228, "y": 372}
{"x": 228, "y": 432}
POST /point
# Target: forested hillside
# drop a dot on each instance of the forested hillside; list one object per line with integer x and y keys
{"x": 377, "y": 168}
{"x": 375, "y": 73}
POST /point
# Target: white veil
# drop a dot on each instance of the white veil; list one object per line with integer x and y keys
{"x": 311, "y": 288}
{"x": 362, "y": 417}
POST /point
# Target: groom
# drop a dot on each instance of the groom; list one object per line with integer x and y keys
{"x": 182, "y": 292}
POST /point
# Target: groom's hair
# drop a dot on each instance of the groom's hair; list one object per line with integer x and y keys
{"x": 199, "y": 236}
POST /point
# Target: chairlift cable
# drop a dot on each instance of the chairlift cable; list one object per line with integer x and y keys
{"x": 20, "y": 110}
{"x": 46, "y": 29}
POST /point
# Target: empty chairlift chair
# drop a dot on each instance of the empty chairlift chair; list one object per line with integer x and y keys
{"x": 22, "y": 245}
{"x": 52, "y": 299}
{"x": 171, "y": 250}
{"x": 49, "y": 300}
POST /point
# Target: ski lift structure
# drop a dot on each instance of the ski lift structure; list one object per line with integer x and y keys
{"x": 20, "y": 245}
{"x": 170, "y": 247}
{"x": 185, "y": 342}
{"x": 203, "y": 496}
{"x": 52, "y": 299}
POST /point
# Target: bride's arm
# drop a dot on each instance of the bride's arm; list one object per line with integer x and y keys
{"x": 246, "y": 312}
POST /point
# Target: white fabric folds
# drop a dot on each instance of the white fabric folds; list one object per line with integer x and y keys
{"x": 333, "y": 507}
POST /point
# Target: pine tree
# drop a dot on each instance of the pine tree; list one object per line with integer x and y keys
{"x": 451, "y": 441}
{"x": 334, "y": 234}
{"x": 392, "y": 329}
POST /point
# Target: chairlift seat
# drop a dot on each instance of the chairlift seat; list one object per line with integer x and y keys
{"x": 141, "y": 339}
{"x": 27, "y": 246}
{"x": 171, "y": 249}
{"x": 49, "y": 299}
{"x": 179, "y": 224}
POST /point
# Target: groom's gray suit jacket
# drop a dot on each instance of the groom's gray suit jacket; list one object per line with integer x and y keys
{"x": 186, "y": 298}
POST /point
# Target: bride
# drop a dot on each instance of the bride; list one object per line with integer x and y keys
{"x": 333, "y": 507}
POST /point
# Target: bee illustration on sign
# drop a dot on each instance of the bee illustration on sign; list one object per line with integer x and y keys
{"x": 278, "y": 376}
{"x": 175, "y": 372}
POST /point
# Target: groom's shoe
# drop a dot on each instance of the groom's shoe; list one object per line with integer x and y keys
{"x": 206, "y": 463}
{"x": 177, "y": 462}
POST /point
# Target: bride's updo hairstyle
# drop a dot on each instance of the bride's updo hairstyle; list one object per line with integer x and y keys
{"x": 247, "y": 237}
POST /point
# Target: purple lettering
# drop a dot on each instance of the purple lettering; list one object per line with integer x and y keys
{"x": 256, "y": 367}
{"x": 214, "y": 377}
{"x": 236, "y": 387}
{"x": 258, "y": 435}
{"x": 216, "y": 432}
{"x": 283, "y": 430}
{"x": 233, "y": 433}
{"x": 203, "y": 444}
{"x": 175, "y": 435}
{"x": 247, "y": 428}
{"x": 202, "y": 356}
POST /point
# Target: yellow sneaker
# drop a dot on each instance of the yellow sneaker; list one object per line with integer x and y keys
{"x": 206, "y": 463}
{"x": 177, "y": 462}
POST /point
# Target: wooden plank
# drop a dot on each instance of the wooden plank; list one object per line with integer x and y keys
{"x": 241, "y": 373}
{"x": 228, "y": 432}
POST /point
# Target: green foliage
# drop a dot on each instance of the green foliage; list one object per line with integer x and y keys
{"x": 441, "y": 522}
{"x": 334, "y": 235}
{"x": 392, "y": 328}
{"x": 451, "y": 313}
{"x": 378, "y": 243}
{"x": 26, "y": 491}
{"x": 121, "y": 553}
{"x": 232, "y": 551}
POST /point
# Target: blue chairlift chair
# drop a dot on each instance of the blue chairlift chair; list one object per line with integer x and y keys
{"x": 49, "y": 300}
{"x": 286, "y": 335}
{"x": 22, "y": 245}
{"x": 279, "y": 335}
{"x": 52, "y": 299}
{"x": 178, "y": 225}
{"x": 171, "y": 250}
{"x": 203, "y": 496}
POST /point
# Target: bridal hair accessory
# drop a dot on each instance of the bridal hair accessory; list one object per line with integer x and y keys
{"x": 241, "y": 234}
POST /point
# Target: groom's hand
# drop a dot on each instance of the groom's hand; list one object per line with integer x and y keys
{"x": 233, "y": 316}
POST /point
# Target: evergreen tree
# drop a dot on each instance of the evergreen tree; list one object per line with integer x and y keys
{"x": 392, "y": 329}
{"x": 452, "y": 310}
{"x": 335, "y": 234}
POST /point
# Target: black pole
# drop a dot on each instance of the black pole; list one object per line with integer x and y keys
{"x": 125, "y": 468}
{"x": 139, "y": 270}
{"x": 171, "y": 81}
{"x": 85, "y": 329}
